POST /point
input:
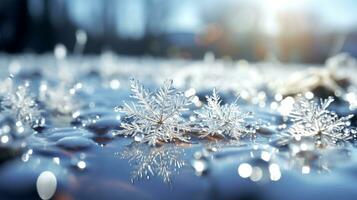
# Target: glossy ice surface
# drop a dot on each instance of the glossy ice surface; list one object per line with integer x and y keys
{"x": 74, "y": 154}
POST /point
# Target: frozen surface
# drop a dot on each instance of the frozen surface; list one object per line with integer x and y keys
{"x": 76, "y": 97}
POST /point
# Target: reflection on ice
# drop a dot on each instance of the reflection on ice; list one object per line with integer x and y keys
{"x": 163, "y": 162}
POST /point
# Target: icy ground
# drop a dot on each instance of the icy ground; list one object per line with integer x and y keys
{"x": 61, "y": 136}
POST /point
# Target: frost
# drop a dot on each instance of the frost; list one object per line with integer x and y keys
{"x": 312, "y": 119}
{"x": 162, "y": 161}
{"x": 155, "y": 117}
{"x": 224, "y": 120}
{"x": 22, "y": 106}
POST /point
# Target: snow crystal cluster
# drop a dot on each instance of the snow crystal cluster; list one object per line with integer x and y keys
{"x": 19, "y": 103}
{"x": 156, "y": 118}
{"x": 223, "y": 120}
{"x": 313, "y": 119}
{"x": 59, "y": 98}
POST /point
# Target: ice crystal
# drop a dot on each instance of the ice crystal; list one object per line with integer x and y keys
{"x": 224, "y": 120}
{"x": 312, "y": 119}
{"x": 22, "y": 106}
{"x": 59, "y": 98}
{"x": 156, "y": 117}
{"x": 162, "y": 161}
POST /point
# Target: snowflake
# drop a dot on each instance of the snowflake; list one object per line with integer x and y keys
{"x": 21, "y": 105}
{"x": 155, "y": 117}
{"x": 312, "y": 119}
{"x": 224, "y": 120}
{"x": 161, "y": 161}
{"x": 59, "y": 98}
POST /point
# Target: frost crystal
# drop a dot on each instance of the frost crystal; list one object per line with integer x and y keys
{"x": 155, "y": 117}
{"x": 22, "y": 106}
{"x": 224, "y": 120}
{"x": 60, "y": 98}
{"x": 312, "y": 119}
{"x": 162, "y": 161}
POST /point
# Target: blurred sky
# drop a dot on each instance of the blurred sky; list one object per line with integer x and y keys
{"x": 285, "y": 30}
{"x": 130, "y": 16}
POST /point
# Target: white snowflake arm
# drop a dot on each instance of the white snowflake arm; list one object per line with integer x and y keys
{"x": 223, "y": 120}
{"x": 155, "y": 116}
{"x": 313, "y": 119}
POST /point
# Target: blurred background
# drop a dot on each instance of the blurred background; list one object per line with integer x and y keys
{"x": 297, "y": 31}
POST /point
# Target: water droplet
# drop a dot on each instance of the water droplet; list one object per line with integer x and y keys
{"x": 60, "y": 51}
{"x": 265, "y": 156}
{"x": 46, "y": 185}
{"x": 278, "y": 97}
{"x": 245, "y": 170}
{"x": 25, "y": 157}
{"x": 56, "y": 160}
{"x": 275, "y": 173}
{"x": 190, "y": 92}
{"x": 76, "y": 114}
{"x": 20, "y": 129}
{"x": 305, "y": 169}
{"x": 138, "y": 138}
{"x": 5, "y": 139}
{"x": 200, "y": 166}
{"x": 81, "y": 165}
{"x": 114, "y": 84}
{"x": 257, "y": 174}
{"x": 309, "y": 95}
{"x": 18, "y": 123}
